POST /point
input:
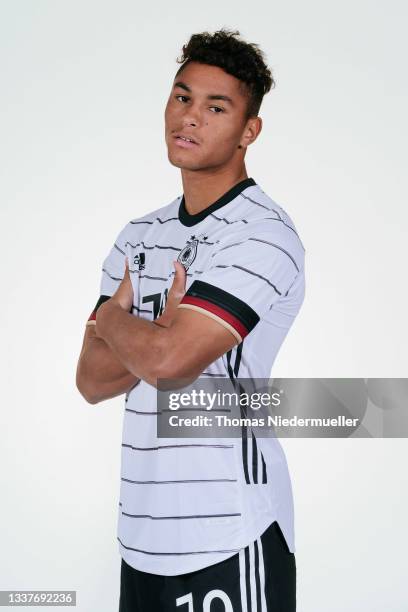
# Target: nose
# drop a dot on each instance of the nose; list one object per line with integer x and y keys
{"x": 189, "y": 120}
{"x": 191, "y": 116}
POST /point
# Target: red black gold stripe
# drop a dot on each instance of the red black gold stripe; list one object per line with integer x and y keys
{"x": 101, "y": 300}
{"x": 229, "y": 310}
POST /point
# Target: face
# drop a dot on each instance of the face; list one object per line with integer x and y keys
{"x": 207, "y": 105}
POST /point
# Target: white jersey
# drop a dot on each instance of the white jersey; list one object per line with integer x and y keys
{"x": 186, "y": 504}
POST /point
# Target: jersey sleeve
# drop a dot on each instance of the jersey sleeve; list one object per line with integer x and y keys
{"x": 113, "y": 269}
{"x": 246, "y": 275}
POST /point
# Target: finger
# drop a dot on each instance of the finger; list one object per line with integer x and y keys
{"x": 177, "y": 290}
{"x": 178, "y": 287}
{"x": 126, "y": 266}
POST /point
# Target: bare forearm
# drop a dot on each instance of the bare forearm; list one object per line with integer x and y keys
{"x": 138, "y": 343}
{"x": 100, "y": 374}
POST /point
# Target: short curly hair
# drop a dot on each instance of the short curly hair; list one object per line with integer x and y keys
{"x": 243, "y": 60}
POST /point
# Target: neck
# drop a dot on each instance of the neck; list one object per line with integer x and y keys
{"x": 201, "y": 190}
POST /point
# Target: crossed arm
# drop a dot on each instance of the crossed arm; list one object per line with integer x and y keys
{"x": 100, "y": 374}
{"x": 120, "y": 349}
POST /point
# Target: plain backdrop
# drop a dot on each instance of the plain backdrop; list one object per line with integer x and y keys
{"x": 83, "y": 89}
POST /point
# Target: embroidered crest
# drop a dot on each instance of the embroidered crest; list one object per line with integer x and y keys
{"x": 189, "y": 253}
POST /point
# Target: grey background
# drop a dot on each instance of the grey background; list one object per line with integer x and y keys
{"x": 84, "y": 86}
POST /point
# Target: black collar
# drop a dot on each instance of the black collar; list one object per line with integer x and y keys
{"x": 186, "y": 219}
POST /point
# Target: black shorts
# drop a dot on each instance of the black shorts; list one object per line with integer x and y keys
{"x": 260, "y": 578}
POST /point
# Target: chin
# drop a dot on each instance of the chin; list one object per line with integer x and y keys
{"x": 183, "y": 164}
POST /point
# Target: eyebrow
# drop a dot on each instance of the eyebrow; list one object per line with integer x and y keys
{"x": 184, "y": 86}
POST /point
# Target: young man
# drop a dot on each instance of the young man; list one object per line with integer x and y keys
{"x": 206, "y": 286}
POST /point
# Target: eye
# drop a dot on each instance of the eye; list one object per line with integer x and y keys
{"x": 218, "y": 109}
{"x": 181, "y": 96}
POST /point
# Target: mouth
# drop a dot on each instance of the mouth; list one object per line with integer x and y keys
{"x": 185, "y": 142}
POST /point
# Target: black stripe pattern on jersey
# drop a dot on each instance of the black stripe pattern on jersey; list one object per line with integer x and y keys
{"x": 190, "y": 481}
{"x": 178, "y": 554}
{"x": 174, "y": 518}
{"x": 115, "y": 278}
{"x": 272, "y": 244}
{"x": 178, "y": 446}
{"x": 119, "y": 249}
{"x": 135, "y": 222}
{"x": 154, "y": 246}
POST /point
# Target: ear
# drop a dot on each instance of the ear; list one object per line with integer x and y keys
{"x": 252, "y": 130}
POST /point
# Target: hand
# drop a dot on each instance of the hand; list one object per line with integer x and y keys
{"x": 123, "y": 296}
{"x": 176, "y": 292}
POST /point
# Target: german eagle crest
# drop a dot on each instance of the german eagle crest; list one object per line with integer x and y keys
{"x": 188, "y": 254}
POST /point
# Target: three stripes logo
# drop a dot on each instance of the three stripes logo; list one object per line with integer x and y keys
{"x": 253, "y": 462}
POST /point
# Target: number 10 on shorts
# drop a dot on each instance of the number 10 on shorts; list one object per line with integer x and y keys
{"x": 208, "y": 599}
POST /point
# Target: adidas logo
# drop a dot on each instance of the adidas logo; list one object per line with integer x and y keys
{"x": 140, "y": 260}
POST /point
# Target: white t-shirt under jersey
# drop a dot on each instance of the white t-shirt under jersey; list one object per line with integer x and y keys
{"x": 245, "y": 269}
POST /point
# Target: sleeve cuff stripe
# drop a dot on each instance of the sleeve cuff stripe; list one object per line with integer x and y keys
{"x": 207, "y": 313}
{"x": 219, "y": 312}
{"x": 101, "y": 300}
{"x": 237, "y": 308}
